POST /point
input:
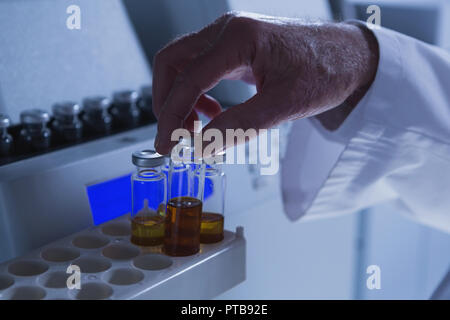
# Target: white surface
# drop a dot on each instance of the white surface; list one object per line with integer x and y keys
{"x": 413, "y": 258}
{"x": 286, "y": 260}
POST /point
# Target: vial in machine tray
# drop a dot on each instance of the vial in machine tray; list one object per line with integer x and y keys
{"x": 212, "y": 222}
{"x": 184, "y": 207}
{"x": 183, "y": 226}
{"x": 211, "y": 228}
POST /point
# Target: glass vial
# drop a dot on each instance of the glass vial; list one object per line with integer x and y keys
{"x": 67, "y": 125}
{"x": 6, "y": 139}
{"x": 149, "y": 187}
{"x": 184, "y": 207}
{"x": 145, "y": 104}
{"x": 124, "y": 109}
{"x": 213, "y": 200}
{"x": 96, "y": 118}
{"x": 35, "y": 135}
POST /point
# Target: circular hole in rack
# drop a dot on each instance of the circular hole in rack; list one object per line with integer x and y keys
{"x": 120, "y": 252}
{"x": 94, "y": 291}
{"x": 90, "y": 241}
{"x": 26, "y": 293}
{"x": 124, "y": 276}
{"x": 54, "y": 280}
{"x": 6, "y": 281}
{"x": 117, "y": 229}
{"x": 27, "y": 268}
{"x": 152, "y": 262}
{"x": 60, "y": 254}
{"x": 92, "y": 264}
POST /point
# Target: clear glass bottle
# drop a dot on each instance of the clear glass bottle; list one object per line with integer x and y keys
{"x": 95, "y": 115}
{"x": 124, "y": 109}
{"x": 35, "y": 135}
{"x": 149, "y": 196}
{"x": 213, "y": 199}
{"x": 6, "y": 139}
{"x": 184, "y": 207}
{"x": 67, "y": 125}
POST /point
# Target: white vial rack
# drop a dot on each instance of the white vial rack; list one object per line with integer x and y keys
{"x": 114, "y": 268}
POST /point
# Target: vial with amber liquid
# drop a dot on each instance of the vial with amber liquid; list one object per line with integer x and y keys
{"x": 149, "y": 187}
{"x": 213, "y": 199}
{"x": 184, "y": 207}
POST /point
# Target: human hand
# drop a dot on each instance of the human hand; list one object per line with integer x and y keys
{"x": 299, "y": 70}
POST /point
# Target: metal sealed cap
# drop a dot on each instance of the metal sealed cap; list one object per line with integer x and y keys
{"x": 147, "y": 158}
{"x": 96, "y": 104}
{"x": 125, "y": 96}
{"x": 66, "y": 109}
{"x": 34, "y": 116}
{"x": 5, "y": 121}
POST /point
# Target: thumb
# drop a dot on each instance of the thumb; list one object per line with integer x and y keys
{"x": 245, "y": 119}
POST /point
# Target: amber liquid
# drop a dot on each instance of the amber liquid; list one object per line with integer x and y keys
{"x": 182, "y": 226}
{"x": 147, "y": 230}
{"x": 211, "y": 228}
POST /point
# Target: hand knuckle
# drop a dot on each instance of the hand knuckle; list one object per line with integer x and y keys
{"x": 247, "y": 28}
{"x": 229, "y": 15}
{"x": 159, "y": 57}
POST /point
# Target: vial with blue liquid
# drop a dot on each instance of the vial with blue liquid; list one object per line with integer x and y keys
{"x": 149, "y": 187}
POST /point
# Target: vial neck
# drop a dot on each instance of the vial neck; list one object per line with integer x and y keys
{"x": 148, "y": 171}
{"x": 67, "y": 120}
{"x": 35, "y": 128}
{"x": 96, "y": 115}
{"x": 125, "y": 106}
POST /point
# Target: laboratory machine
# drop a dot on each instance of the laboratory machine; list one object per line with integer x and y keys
{"x": 75, "y": 105}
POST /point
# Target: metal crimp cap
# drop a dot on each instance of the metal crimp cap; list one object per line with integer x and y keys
{"x": 147, "y": 158}
{"x": 5, "y": 121}
{"x": 96, "y": 104}
{"x": 66, "y": 109}
{"x": 34, "y": 116}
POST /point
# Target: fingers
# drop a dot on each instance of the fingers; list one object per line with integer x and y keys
{"x": 201, "y": 75}
{"x": 173, "y": 58}
{"x": 189, "y": 122}
{"x": 209, "y": 106}
{"x": 257, "y": 113}
{"x": 206, "y": 105}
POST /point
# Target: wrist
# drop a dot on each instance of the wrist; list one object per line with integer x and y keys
{"x": 368, "y": 48}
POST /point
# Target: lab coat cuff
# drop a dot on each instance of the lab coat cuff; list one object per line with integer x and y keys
{"x": 329, "y": 160}
{"x": 384, "y": 91}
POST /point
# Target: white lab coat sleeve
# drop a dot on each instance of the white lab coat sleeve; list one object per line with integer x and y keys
{"x": 394, "y": 145}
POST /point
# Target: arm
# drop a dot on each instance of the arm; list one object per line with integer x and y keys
{"x": 395, "y": 144}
